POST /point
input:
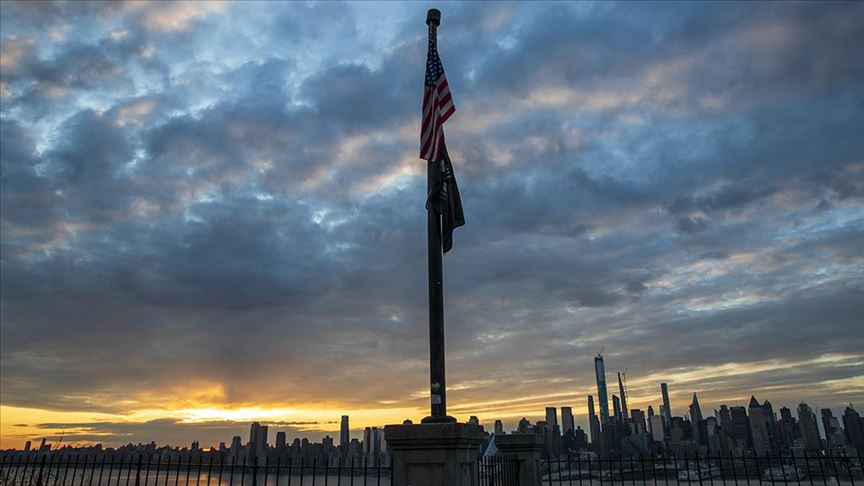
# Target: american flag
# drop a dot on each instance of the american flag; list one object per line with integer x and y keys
{"x": 437, "y": 104}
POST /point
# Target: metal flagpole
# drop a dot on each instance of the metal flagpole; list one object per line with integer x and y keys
{"x": 438, "y": 389}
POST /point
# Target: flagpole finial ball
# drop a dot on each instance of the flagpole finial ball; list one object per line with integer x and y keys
{"x": 433, "y": 16}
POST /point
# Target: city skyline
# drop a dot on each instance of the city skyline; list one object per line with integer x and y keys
{"x": 214, "y": 213}
{"x": 827, "y": 428}
{"x": 334, "y": 429}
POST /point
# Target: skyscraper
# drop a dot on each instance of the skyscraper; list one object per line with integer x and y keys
{"x": 638, "y": 417}
{"x": 600, "y": 371}
{"x": 623, "y": 393}
{"x": 725, "y": 418}
{"x": 551, "y": 417}
{"x": 616, "y": 408}
{"x": 236, "y": 446}
{"x": 498, "y": 428}
{"x": 344, "y": 436}
{"x": 834, "y": 435}
{"x": 809, "y": 429}
{"x": 567, "y": 423}
{"x": 593, "y": 423}
{"x": 695, "y": 410}
{"x": 280, "y": 444}
{"x": 657, "y": 427}
{"x": 650, "y": 414}
{"x": 854, "y": 428}
{"x": 787, "y": 429}
{"x": 758, "y": 428}
{"x": 255, "y": 433}
{"x": 740, "y": 428}
{"x": 667, "y": 408}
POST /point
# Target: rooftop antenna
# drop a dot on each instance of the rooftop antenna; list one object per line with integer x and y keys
{"x": 601, "y": 351}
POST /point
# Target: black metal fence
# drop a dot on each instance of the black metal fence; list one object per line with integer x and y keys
{"x": 18, "y": 469}
{"x": 500, "y": 470}
{"x": 738, "y": 470}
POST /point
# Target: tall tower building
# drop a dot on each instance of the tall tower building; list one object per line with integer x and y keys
{"x": 695, "y": 410}
{"x": 809, "y": 429}
{"x": 254, "y": 441}
{"x": 367, "y": 440}
{"x": 344, "y": 436}
{"x": 551, "y": 416}
{"x": 667, "y": 408}
{"x": 650, "y": 414}
{"x": 623, "y": 393}
{"x": 593, "y": 423}
{"x": 758, "y": 427}
{"x": 638, "y": 417}
{"x": 854, "y": 428}
{"x": 567, "y": 423}
{"x": 616, "y": 408}
{"x": 280, "y": 443}
{"x": 498, "y": 428}
{"x": 740, "y": 427}
{"x": 833, "y": 433}
{"x": 600, "y": 371}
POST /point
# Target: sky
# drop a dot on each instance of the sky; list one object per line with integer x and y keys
{"x": 213, "y": 213}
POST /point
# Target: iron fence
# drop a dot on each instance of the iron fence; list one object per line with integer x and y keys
{"x": 500, "y": 470}
{"x": 737, "y": 470}
{"x": 20, "y": 469}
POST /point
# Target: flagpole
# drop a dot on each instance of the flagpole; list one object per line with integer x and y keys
{"x": 437, "y": 388}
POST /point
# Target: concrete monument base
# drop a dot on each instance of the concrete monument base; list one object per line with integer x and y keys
{"x": 434, "y": 454}
{"x": 528, "y": 449}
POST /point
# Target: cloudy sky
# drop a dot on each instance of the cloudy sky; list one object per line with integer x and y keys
{"x": 213, "y": 213}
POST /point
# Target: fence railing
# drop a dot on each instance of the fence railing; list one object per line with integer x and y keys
{"x": 735, "y": 470}
{"x": 500, "y": 470}
{"x": 19, "y": 469}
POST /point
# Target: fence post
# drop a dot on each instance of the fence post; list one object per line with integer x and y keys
{"x": 138, "y": 471}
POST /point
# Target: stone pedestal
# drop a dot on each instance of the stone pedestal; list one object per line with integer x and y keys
{"x": 528, "y": 449}
{"x": 434, "y": 454}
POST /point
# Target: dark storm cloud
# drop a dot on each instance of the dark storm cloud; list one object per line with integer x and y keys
{"x": 197, "y": 199}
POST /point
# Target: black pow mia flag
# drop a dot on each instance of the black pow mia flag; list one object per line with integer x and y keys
{"x": 445, "y": 200}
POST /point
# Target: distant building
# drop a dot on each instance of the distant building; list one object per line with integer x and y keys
{"x": 567, "y": 422}
{"x": 623, "y": 394}
{"x": 600, "y": 372}
{"x": 740, "y": 430}
{"x": 523, "y": 427}
{"x": 854, "y": 428}
{"x": 667, "y": 407}
{"x": 638, "y": 418}
{"x": 253, "y": 444}
{"x": 616, "y": 408}
{"x": 808, "y": 427}
{"x": 787, "y": 429}
{"x": 657, "y": 427}
{"x": 344, "y": 436}
{"x": 473, "y": 420}
{"x": 498, "y": 428}
{"x": 695, "y": 409}
{"x": 758, "y": 428}
{"x": 236, "y": 446}
{"x": 280, "y": 444}
{"x": 593, "y": 422}
{"x": 551, "y": 417}
{"x": 834, "y": 435}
